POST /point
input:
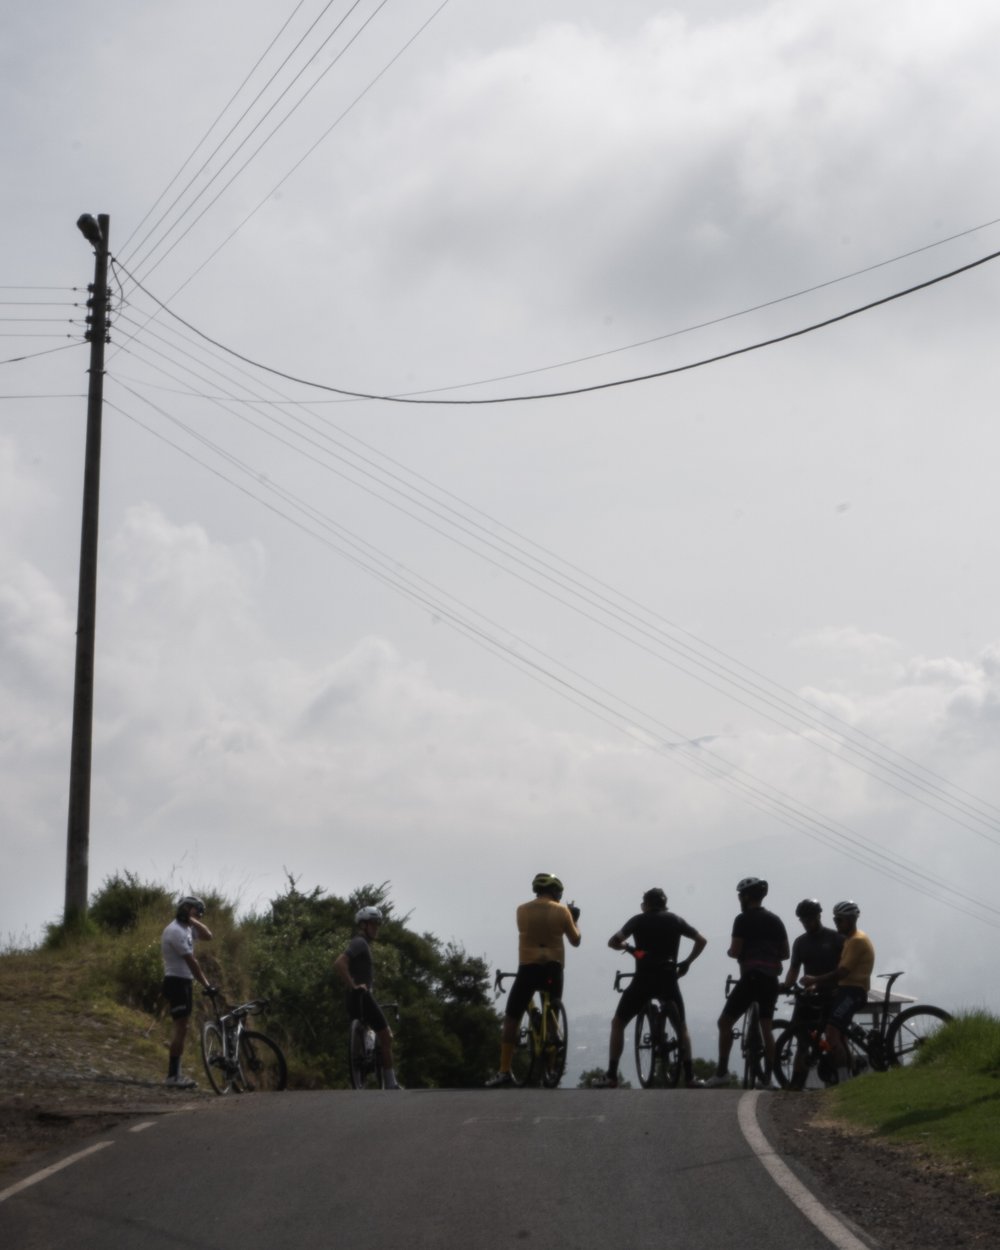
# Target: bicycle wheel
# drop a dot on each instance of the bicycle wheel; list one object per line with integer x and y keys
{"x": 522, "y": 1067}
{"x": 796, "y": 1040}
{"x": 553, "y": 1057}
{"x": 262, "y": 1065}
{"x": 911, "y": 1030}
{"x": 646, "y": 1044}
{"x": 213, "y": 1055}
{"x": 753, "y": 1049}
{"x": 671, "y": 1060}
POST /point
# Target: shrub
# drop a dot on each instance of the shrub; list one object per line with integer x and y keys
{"x": 123, "y": 898}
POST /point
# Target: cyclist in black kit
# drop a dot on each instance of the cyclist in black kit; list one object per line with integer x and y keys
{"x": 760, "y": 945}
{"x": 656, "y": 934}
{"x": 815, "y": 953}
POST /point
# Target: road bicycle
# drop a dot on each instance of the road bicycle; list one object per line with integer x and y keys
{"x": 658, "y": 1057}
{"x": 893, "y": 1039}
{"x": 750, "y": 1035}
{"x": 364, "y": 1052}
{"x": 238, "y": 1059}
{"x": 542, "y": 1038}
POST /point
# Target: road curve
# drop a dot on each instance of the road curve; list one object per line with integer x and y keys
{"x": 478, "y": 1169}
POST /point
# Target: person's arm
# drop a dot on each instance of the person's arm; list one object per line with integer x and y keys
{"x": 343, "y": 970}
{"x": 791, "y": 976}
{"x": 699, "y": 945}
{"x": 196, "y": 971}
{"x": 201, "y": 930}
{"x": 617, "y": 941}
{"x": 735, "y": 948}
{"x": 571, "y": 930}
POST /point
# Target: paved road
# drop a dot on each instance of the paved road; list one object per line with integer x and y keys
{"x": 476, "y": 1169}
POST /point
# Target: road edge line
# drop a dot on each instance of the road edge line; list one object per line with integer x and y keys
{"x": 47, "y": 1172}
{"x": 833, "y": 1229}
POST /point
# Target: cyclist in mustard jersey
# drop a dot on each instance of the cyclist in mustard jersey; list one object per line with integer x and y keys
{"x": 544, "y": 925}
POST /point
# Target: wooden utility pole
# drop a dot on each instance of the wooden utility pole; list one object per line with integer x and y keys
{"x": 78, "y": 824}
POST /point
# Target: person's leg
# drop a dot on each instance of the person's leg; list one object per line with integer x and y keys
{"x": 725, "y": 1044}
{"x": 177, "y": 1040}
{"x": 616, "y": 1045}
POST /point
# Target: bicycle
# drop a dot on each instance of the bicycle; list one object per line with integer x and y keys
{"x": 364, "y": 1053}
{"x": 237, "y": 1058}
{"x": 542, "y": 1038}
{"x": 750, "y": 1035}
{"x": 892, "y": 1040}
{"x": 658, "y": 1057}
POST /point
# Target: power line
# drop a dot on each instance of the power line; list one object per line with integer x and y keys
{"x": 578, "y": 390}
{"x": 762, "y": 795}
{"x": 780, "y": 707}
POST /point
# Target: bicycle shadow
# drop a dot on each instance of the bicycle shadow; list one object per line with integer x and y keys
{"x": 913, "y": 1119}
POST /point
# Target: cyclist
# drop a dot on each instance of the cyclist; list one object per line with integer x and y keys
{"x": 760, "y": 945}
{"x": 816, "y": 951}
{"x": 356, "y": 969}
{"x": 656, "y": 934}
{"x": 544, "y": 925}
{"x": 850, "y": 981}
{"x": 180, "y": 970}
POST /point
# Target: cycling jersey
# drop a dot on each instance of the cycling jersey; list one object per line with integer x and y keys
{"x": 656, "y": 936}
{"x": 177, "y": 942}
{"x": 858, "y": 957}
{"x": 765, "y": 941}
{"x": 359, "y": 961}
{"x": 818, "y": 952}
{"x": 542, "y": 926}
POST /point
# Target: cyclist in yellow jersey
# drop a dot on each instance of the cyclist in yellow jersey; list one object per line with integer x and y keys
{"x": 544, "y": 925}
{"x": 852, "y": 978}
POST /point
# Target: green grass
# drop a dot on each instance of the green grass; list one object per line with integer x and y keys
{"x": 947, "y": 1103}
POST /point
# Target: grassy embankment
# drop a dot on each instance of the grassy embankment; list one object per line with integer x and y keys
{"x": 947, "y": 1103}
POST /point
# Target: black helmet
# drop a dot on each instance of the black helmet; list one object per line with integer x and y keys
{"x": 655, "y": 898}
{"x": 809, "y": 907}
{"x": 846, "y": 910}
{"x": 190, "y": 904}
{"x": 752, "y": 885}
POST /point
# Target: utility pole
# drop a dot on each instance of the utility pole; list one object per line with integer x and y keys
{"x": 78, "y": 823}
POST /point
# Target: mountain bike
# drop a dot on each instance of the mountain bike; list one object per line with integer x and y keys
{"x": 364, "y": 1053}
{"x": 542, "y": 1038}
{"x": 893, "y": 1040}
{"x": 658, "y": 1057}
{"x": 238, "y": 1059}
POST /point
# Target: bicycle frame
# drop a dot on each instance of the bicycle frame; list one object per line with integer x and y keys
{"x": 540, "y": 1052}
{"x": 658, "y": 1048}
{"x": 364, "y": 1051}
{"x": 235, "y": 1058}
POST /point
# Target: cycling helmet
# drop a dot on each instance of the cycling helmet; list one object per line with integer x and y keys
{"x": 546, "y": 881}
{"x": 809, "y": 907}
{"x": 368, "y": 913}
{"x": 752, "y": 885}
{"x": 189, "y": 904}
{"x": 655, "y": 898}
{"x": 847, "y": 910}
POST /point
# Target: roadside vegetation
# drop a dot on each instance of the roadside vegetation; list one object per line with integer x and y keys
{"x": 947, "y": 1103}
{"x": 105, "y": 975}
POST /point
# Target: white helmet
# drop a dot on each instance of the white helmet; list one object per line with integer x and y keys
{"x": 368, "y": 913}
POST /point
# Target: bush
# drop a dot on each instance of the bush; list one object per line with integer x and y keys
{"x": 139, "y": 976}
{"x": 122, "y": 900}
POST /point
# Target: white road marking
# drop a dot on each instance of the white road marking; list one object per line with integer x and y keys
{"x": 837, "y": 1233}
{"x": 46, "y": 1172}
{"x": 539, "y": 1118}
{"x": 138, "y": 1128}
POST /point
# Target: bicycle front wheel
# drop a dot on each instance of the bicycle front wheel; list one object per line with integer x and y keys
{"x": 911, "y": 1031}
{"x": 262, "y": 1065}
{"x": 552, "y": 1061}
{"x": 213, "y": 1054}
{"x": 753, "y": 1049}
{"x": 646, "y": 1045}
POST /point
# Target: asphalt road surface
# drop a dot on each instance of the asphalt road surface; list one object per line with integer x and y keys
{"x": 476, "y": 1169}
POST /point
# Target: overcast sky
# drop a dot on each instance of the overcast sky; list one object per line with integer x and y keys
{"x": 744, "y": 619}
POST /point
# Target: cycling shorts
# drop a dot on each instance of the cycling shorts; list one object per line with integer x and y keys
{"x": 531, "y": 979}
{"x": 847, "y": 999}
{"x": 640, "y": 990}
{"x": 361, "y": 1006}
{"x": 179, "y": 993}
{"x": 752, "y": 987}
